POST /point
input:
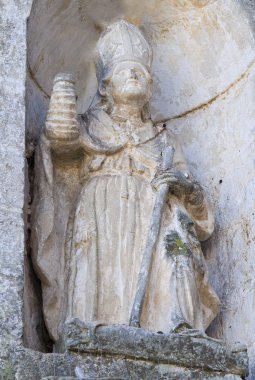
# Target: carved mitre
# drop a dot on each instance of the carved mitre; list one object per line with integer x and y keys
{"x": 120, "y": 42}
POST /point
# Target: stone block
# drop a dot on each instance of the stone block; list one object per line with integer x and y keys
{"x": 192, "y": 350}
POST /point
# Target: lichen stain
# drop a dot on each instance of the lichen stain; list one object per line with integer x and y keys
{"x": 175, "y": 246}
{"x": 246, "y": 229}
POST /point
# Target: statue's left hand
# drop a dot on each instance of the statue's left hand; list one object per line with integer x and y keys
{"x": 179, "y": 182}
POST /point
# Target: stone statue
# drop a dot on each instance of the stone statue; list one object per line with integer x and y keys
{"x": 98, "y": 178}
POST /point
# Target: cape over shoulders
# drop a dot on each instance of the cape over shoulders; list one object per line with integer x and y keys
{"x": 100, "y": 127}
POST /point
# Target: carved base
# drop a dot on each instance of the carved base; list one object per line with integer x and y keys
{"x": 125, "y": 352}
{"x": 26, "y": 364}
{"x": 121, "y": 352}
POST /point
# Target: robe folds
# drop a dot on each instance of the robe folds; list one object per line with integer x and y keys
{"x": 91, "y": 214}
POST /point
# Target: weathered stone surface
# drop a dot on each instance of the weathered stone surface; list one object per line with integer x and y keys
{"x": 190, "y": 350}
{"x": 23, "y": 364}
{"x": 59, "y": 378}
{"x": 12, "y": 165}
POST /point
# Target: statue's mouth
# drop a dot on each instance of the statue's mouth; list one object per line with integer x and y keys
{"x": 132, "y": 81}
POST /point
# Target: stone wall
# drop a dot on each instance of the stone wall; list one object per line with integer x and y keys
{"x": 12, "y": 165}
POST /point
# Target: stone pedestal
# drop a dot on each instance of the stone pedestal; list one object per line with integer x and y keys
{"x": 125, "y": 352}
{"x": 122, "y": 352}
{"x": 59, "y": 378}
{"x": 31, "y": 365}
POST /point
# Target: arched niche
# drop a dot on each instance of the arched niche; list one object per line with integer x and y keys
{"x": 203, "y": 72}
{"x": 198, "y": 50}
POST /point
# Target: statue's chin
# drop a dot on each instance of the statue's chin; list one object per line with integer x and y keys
{"x": 134, "y": 93}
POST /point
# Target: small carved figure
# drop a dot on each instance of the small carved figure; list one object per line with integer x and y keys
{"x": 99, "y": 181}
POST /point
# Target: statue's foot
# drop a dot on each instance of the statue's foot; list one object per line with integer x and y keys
{"x": 185, "y": 328}
{"x": 195, "y": 333}
{"x": 182, "y": 327}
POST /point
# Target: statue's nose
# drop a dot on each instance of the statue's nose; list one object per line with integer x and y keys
{"x": 133, "y": 74}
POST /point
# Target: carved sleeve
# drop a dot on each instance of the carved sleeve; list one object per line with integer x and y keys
{"x": 94, "y": 143}
{"x": 201, "y": 212}
{"x": 195, "y": 200}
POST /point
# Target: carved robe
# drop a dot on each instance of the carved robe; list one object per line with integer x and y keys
{"x": 92, "y": 211}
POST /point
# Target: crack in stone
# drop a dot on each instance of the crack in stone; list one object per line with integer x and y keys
{"x": 244, "y": 75}
{"x": 32, "y": 76}
{"x": 186, "y": 113}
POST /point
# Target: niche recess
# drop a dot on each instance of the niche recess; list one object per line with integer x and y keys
{"x": 189, "y": 71}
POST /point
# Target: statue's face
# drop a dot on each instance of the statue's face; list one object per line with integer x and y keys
{"x": 130, "y": 82}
